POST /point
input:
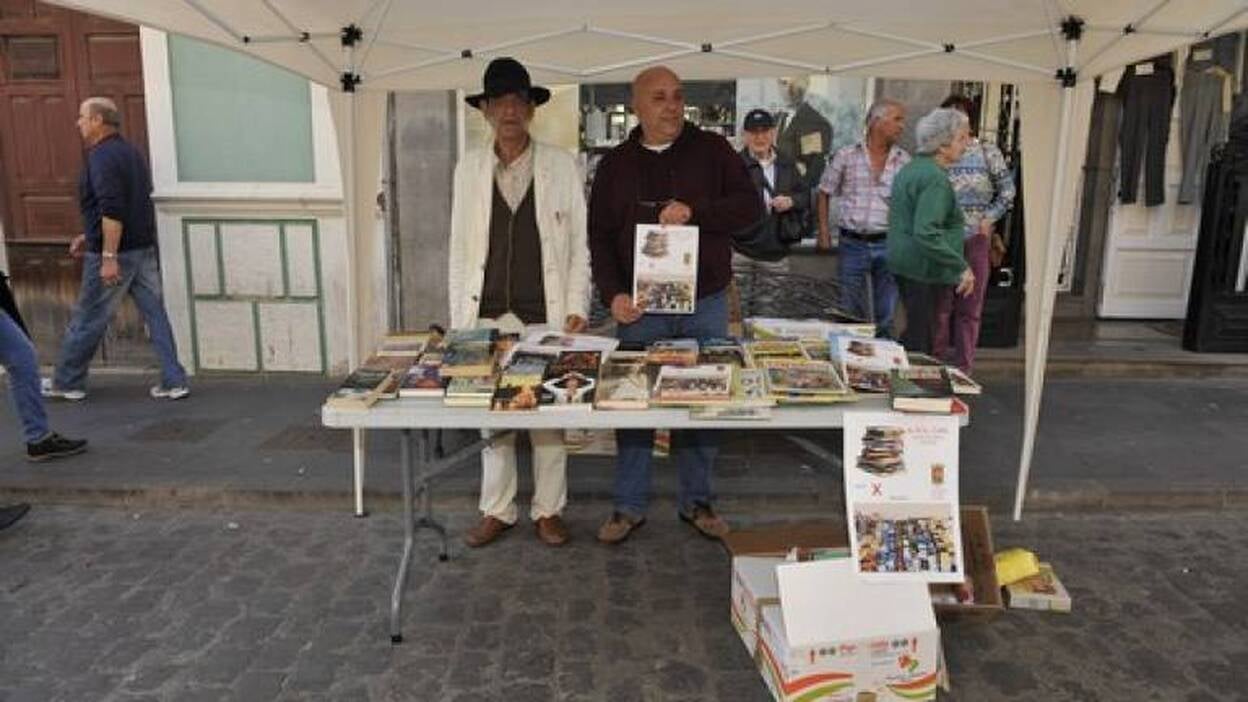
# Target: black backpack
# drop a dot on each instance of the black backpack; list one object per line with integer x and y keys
{"x": 9, "y": 305}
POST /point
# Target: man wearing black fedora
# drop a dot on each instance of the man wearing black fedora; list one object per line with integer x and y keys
{"x": 518, "y": 257}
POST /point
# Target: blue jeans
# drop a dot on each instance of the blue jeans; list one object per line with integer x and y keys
{"x": 695, "y": 449}
{"x": 140, "y": 276}
{"x": 856, "y": 259}
{"x": 17, "y": 355}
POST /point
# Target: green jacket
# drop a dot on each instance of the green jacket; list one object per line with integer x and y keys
{"x": 925, "y": 225}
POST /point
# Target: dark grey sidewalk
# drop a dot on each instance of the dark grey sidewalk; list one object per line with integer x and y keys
{"x": 256, "y": 440}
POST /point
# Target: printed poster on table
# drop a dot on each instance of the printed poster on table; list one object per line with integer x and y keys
{"x": 901, "y": 495}
{"x": 665, "y": 268}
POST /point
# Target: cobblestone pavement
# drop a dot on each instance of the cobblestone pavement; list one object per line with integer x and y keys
{"x": 105, "y": 604}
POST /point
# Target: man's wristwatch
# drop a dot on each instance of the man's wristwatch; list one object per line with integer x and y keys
{"x": 108, "y": 254}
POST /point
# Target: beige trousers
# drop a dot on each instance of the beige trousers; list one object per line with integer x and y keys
{"x": 498, "y": 463}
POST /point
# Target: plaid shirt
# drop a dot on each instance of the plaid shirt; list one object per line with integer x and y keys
{"x": 863, "y": 200}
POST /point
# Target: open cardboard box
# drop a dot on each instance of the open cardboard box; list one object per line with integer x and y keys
{"x": 977, "y": 550}
{"x": 838, "y": 638}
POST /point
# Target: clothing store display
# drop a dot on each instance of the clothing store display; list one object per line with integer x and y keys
{"x": 1147, "y": 94}
{"x": 1204, "y": 105}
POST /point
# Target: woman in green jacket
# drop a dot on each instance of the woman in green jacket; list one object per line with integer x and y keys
{"x": 925, "y": 226}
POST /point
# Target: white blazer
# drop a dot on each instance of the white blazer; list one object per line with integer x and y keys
{"x": 561, "y": 219}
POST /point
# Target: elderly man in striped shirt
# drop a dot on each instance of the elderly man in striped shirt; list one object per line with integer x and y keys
{"x": 861, "y": 177}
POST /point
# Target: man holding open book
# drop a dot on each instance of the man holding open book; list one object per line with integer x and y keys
{"x": 518, "y": 257}
{"x": 667, "y": 172}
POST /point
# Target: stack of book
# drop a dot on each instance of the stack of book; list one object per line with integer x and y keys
{"x": 922, "y": 389}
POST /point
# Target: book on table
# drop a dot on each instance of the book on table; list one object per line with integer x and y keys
{"x": 665, "y": 268}
{"x": 623, "y": 383}
{"x": 570, "y": 382}
{"x": 723, "y": 350}
{"x": 673, "y": 352}
{"x": 804, "y": 329}
{"x": 362, "y": 388}
{"x": 921, "y": 389}
{"x": 693, "y": 385}
{"x": 866, "y": 363}
{"x": 469, "y": 391}
{"x": 760, "y": 350}
{"x": 423, "y": 380}
{"x": 802, "y": 381}
{"x": 404, "y": 343}
{"x": 468, "y": 359}
{"x": 516, "y": 392}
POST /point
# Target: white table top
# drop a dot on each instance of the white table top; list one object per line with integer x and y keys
{"x": 421, "y": 413}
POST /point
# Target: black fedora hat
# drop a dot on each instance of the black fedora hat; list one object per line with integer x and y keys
{"x": 505, "y": 76}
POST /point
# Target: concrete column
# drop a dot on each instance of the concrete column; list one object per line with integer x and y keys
{"x": 423, "y": 152}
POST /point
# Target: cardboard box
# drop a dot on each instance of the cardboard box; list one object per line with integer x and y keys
{"x": 977, "y": 553}
{"x": 753, "y": 587}
{"x": 777, "y": 539}
{"x": 837, "y": 638}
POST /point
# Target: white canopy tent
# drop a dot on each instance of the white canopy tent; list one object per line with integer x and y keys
{"x": 364, "y": 48}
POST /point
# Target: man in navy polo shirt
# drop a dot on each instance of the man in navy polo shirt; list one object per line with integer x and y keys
{"x": 119, "y": 252}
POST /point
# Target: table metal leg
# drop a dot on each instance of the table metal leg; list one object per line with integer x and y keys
{"x": 409, "y": 538}
{"x": 426, "y": 520}
{"x": 420, "y": 483}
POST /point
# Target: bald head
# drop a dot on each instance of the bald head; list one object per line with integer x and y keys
{"x": 659, "y": 102}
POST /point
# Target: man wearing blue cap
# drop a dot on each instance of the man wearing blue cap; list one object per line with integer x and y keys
{"x": 762, "y": 249}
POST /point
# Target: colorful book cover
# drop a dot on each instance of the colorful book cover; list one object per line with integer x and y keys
{"x": 865, "y": 363}
{"x": 672, "y": 352}
{"x": 570, "y": 381}
{"x": 693, "y": 385}
{"x": 623, "y": 385}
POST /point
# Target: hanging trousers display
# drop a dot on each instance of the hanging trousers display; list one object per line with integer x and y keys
{"x": 1147, "y": 99}
{"x": 1204, "y": 106}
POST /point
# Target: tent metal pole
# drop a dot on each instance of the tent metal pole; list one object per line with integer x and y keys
{"x": 1034, "y": 385}
{"x": 759, "y": 58}
{"x": 659, "y": 58}
{"x": 353, "y": 299}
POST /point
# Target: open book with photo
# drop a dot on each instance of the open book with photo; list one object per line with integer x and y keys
{"x": 665, "y": 268}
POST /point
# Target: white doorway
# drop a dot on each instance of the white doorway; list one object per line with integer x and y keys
{"x": 1150, "y": 251}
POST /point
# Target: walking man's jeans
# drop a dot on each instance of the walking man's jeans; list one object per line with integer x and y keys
{"x": 140, "y": 276}
{"x": 694, "y": 449}
{"x": 17, "y": 355}
{"x": 856, "y": 259}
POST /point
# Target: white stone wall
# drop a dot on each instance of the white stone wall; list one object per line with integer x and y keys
{"x": 255, "y": 274}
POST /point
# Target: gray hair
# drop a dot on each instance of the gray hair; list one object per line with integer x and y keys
{"x": 105, "y": 108}
{"x": 880, "y": 106}
{"x": 938, "y": 128}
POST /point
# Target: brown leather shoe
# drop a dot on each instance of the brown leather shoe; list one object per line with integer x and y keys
{"x": 486, "y": 531}
{"x": 551, "y": 531}
{"x": 618, "y": 528}
{"x": 704, "y": 519}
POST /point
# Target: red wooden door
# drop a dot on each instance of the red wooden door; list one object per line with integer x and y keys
{"x": 51, "y": 59}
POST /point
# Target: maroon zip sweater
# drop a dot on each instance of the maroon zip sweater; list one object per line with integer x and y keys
{"x": 699, "y": 169}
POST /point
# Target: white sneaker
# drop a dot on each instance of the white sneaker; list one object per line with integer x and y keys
{"x": 47, "y": 390}
{"x": 160, "y": 392}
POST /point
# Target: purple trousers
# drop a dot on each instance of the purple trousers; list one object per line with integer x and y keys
{"x": 956, "y": 332}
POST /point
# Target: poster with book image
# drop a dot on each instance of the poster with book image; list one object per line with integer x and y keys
{"x": 665, "y": 268}
{"x": 901, "y": 496}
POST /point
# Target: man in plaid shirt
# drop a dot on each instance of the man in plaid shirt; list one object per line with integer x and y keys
{"x": 861, "y": 177}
